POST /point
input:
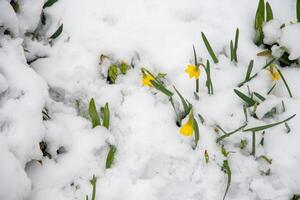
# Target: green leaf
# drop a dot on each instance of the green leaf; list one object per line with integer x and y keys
{"x": 161, "y": 88}
{"x": 269, "y": 92}
{"x": 93, "y": 113}
{"x": 249, "y": 70}
{"x": 269, "y": 16}
{"x": 230, "y": 133}
{"x": 253, "y": 143}
{"x": 265, "y": 158}
{"x": 260, "y": 15}
{"x": 15, "y": 5}
{"x": 298, "y": 10}
{"x": 245, "y": 98}
{"x": 227, "y": 170}
{"x": 124, "y": 67}
{"x": 186, "y": 106}
{"x": 161, "y": 75}
{"x": 57, "y": 32}
{"x": 196, "y": 129}
{"x": 231, "y": 51}
{"x": 285, "y": 83}
{"x": 106, "y": 116}
{"x": 112, "y": 73}
{"x": 295, "y": 197}
{"x": 259, "y": 96}
{"x": 236, "y": 42}
{"x": 195, "y": 57}
{"x": 202, "y": 120}
{"x": 209, "y": 49}
{"x": 261, "y": 128}
{"x": 110, "y": 156}
{"x": 49, "y": 3}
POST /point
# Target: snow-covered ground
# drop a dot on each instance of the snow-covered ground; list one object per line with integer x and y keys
{"x": 153, "y": 160}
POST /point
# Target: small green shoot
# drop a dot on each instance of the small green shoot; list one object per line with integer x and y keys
{"x": 110, "y": 156}
{"x": 206, "y": 156}
{"x": 112, "y": 74}
{"x": 243, "y": 144}
{"x": 233, "y": 48}
{"x": 124, "y": 68}
{"x": 57, "y": 32}
{"x": 288, "y": 129}
{"x": 248, "y": 74}
{"x": 106, "y": 116}
{"x": 49, "y": 3}
{"x": 272, "y": 88}
{"x": 94, "y": 114}
{"x": 202, "y": 120}
{"x": 209, "y": 49}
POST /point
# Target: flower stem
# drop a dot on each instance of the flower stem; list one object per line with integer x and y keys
{"x": 197, "y": 85}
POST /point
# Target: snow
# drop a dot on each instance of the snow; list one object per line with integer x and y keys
{"x": 153, "y": 161}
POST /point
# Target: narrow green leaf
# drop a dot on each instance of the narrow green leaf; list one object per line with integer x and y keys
{"x": 209, "y": 49}
{"x": 285, "y": 83}
{"x": 261, "y": 128}
{"x": 265, "y": 158}
{"x": 186, "y": 107}
{"x": 259, "y": 96}
{"x": 298, "y": 10}
{"x": 236, "y": 42}
{"x": 245, "y": 98}
{"x": 230, "y": 133}
{"x": 195, "y": 57}
{"x": 260, "y": 15}
{"x": 245, "y": 112}
{"x": 253, "y": 143}
{"x": 161, "y": 88}
{"x": 110, "y": 156}
{"x": 93, "y": 113}
{"x": 231, "y": 51}
{"x": 178, "y": 118}
{"x": 57, "y": 32}
{"x": 227, "y": 170}
{"x": 249, "y": 70}
{"x": 269, "y": 92}
{"x": 106, "y": 116}
{"x": 269, "y": 11}
{"x": 202, "y": 120}
{"x": 196, "y": 129}
{"x": 49, "y": 3}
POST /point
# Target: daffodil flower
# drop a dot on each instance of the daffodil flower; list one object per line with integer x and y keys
{"x": 193, "y": 71}
{"x": 187, "y": 129}
{"x": 146, "y": 80}
{"x": 275, "y": 76}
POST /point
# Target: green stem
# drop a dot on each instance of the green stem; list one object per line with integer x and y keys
{"x": 197, "y": 85}
{"x": 253, "y": 143}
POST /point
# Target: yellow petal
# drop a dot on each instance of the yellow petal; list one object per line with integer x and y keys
{"x": 193, "y": 71}
{"x": 275, "y": 76}
{"x": 146, "y": 81}
{"x": 187, "y": 129}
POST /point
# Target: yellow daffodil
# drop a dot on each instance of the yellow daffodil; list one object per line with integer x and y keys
{"x": 146, "y": 81}
{"x": 193, "y": 71}
{"x": 187, "y": 129}
{"x": 275, "y": 76}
